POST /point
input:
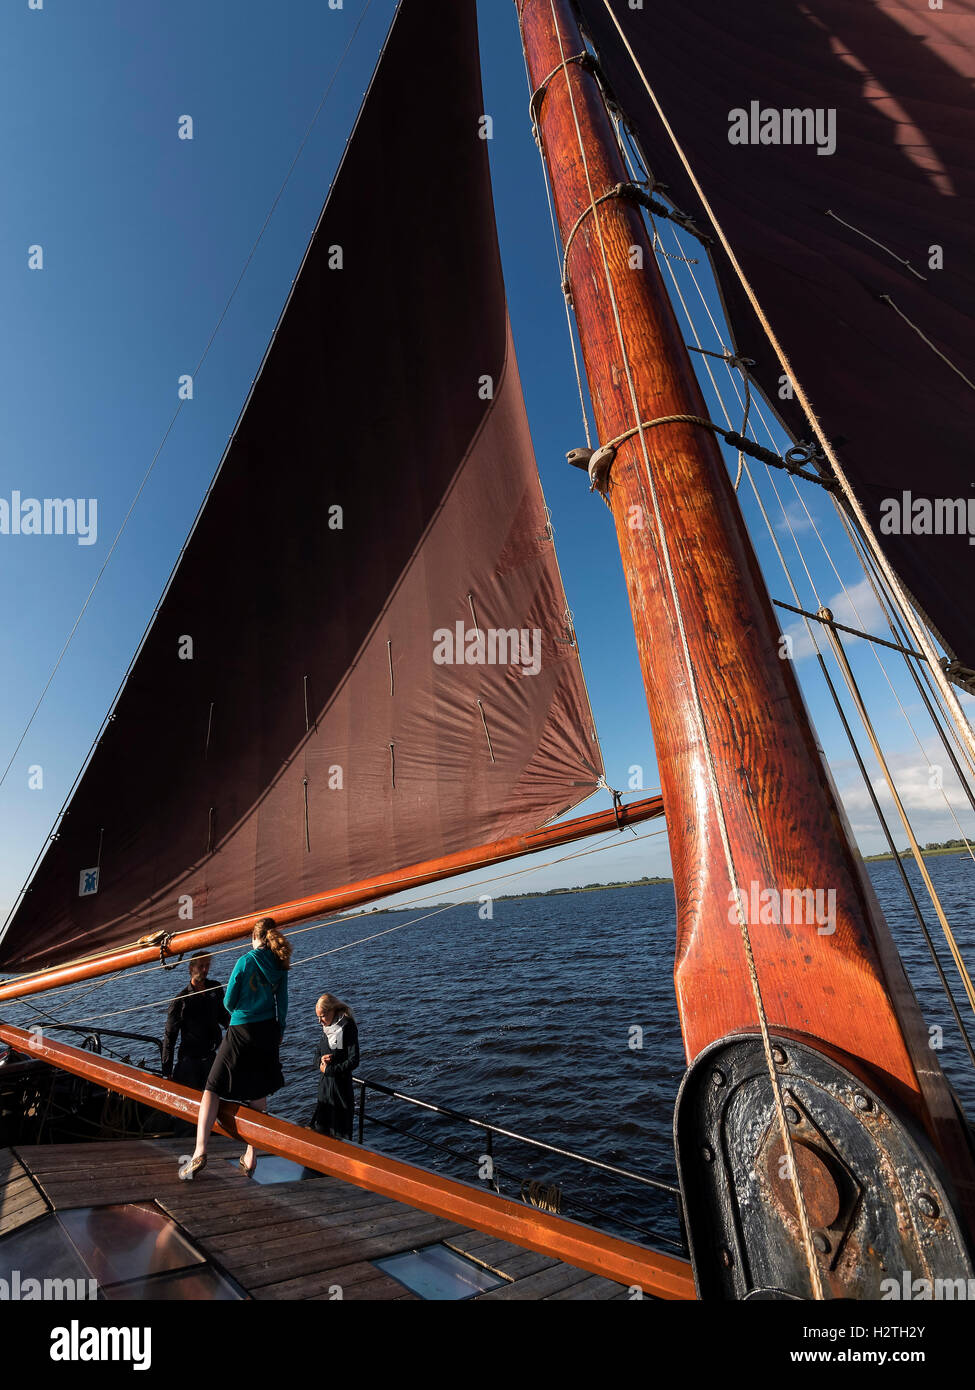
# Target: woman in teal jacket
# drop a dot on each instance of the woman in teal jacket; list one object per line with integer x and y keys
{"x": 247, "y": 1066}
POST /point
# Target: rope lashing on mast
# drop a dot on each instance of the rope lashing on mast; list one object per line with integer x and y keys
{"x": 634, "y": 194}
{"x": 598, "y": 462}
{"x": 742, "y": 364}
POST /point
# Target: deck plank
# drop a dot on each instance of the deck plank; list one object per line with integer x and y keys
{"x": 593, "y": 1288}
{"x": 300, "y": 1239}
{"x": 538, "y": 1286}
{"x": 20, "y": 1200}
{"x": 500, "y": 1256}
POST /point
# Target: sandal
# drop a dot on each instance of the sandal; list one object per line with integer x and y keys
{"x": 248, "y": 1172}
{"x": 195, "y": 1166}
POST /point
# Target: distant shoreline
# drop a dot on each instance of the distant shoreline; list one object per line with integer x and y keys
{"x": 586, "y": 888}
{"x": 521, "y": 897}
{"x": 907, "y": 854}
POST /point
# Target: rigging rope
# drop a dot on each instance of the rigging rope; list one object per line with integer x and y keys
{"x": 59, "y": 993}
{"x": 881, "y": 817}
{"x": 921, "y": 634}
{"x": 725, "y": 354}
{"x": 851, "y": 534}
{"x": 886, "y": 299}
{"x": 555, "y": 238}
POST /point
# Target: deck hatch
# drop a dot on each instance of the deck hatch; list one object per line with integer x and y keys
{"x": 130, "y": 1250}
{"x": 436, "y": 1273}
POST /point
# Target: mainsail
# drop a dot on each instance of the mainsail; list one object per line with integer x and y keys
{"x": 834, "y": 143}
{"x": 364, "y": 658}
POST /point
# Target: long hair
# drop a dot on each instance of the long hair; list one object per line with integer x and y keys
{"x": 274, "y": 941}
{"x": 329, "y": 1001}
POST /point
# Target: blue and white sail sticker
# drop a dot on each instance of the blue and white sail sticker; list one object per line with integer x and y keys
{"x": 88, "y": 882}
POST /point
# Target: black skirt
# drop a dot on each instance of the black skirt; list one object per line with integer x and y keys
{"x": 247, "y": 1066}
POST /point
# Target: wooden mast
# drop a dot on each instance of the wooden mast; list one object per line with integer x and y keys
{"x": 726, "y": 710}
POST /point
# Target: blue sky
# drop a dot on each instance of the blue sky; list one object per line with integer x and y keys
{"x": 144, "y": 237}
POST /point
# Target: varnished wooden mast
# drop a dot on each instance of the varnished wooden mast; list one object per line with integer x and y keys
{"x": 843, "y": 990}
{"x": 338, "y": 899}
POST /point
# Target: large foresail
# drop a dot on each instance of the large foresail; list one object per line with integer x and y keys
{"x": 834, "y": 143}
{"x": 364, "y": 657}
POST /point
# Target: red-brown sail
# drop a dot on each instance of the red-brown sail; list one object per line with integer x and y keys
{"x": 378, "y": 506}
{"x": 823, "y": 235}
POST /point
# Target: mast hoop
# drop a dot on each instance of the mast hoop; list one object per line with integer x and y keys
{"x": 586, "y": 60}
{"x": 634, "y": 193}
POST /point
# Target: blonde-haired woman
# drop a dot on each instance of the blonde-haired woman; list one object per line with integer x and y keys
{"x": 339, "y": 1049}
{"x": 247, "y": 1066}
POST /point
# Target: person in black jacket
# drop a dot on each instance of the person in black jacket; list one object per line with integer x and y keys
{"x": 339, "y": 1057}
{"x": 197, "y": 1018}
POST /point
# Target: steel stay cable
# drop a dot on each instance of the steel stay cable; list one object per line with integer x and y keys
{"x": 945, "y": 729}
{"x": 804, "y": 1225}
{"x": 813, "y": 637}
{"x": 917, "y": 626}
{"x": 850, "y": 533}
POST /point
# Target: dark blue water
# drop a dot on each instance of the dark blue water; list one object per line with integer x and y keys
{"x": 526, "y": 1021}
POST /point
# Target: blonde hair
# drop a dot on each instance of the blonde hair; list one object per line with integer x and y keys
{"x": 274, "y": 941}
{"x": 329, "y": 1001}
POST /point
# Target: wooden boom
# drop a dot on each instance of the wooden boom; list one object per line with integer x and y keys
{"x": 339, "y": 899}
{"x": 662, "y": 1276}
{"x": 736, "y": 750}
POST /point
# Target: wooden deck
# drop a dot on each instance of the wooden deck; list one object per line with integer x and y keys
{"x": 284, "y": 1240}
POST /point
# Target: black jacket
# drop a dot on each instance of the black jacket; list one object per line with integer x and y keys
{"x": 197, "y": 1017}
{"x": 335, "y": 1082}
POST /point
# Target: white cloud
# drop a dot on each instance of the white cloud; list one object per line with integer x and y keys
{"x": 856, "y": 606}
